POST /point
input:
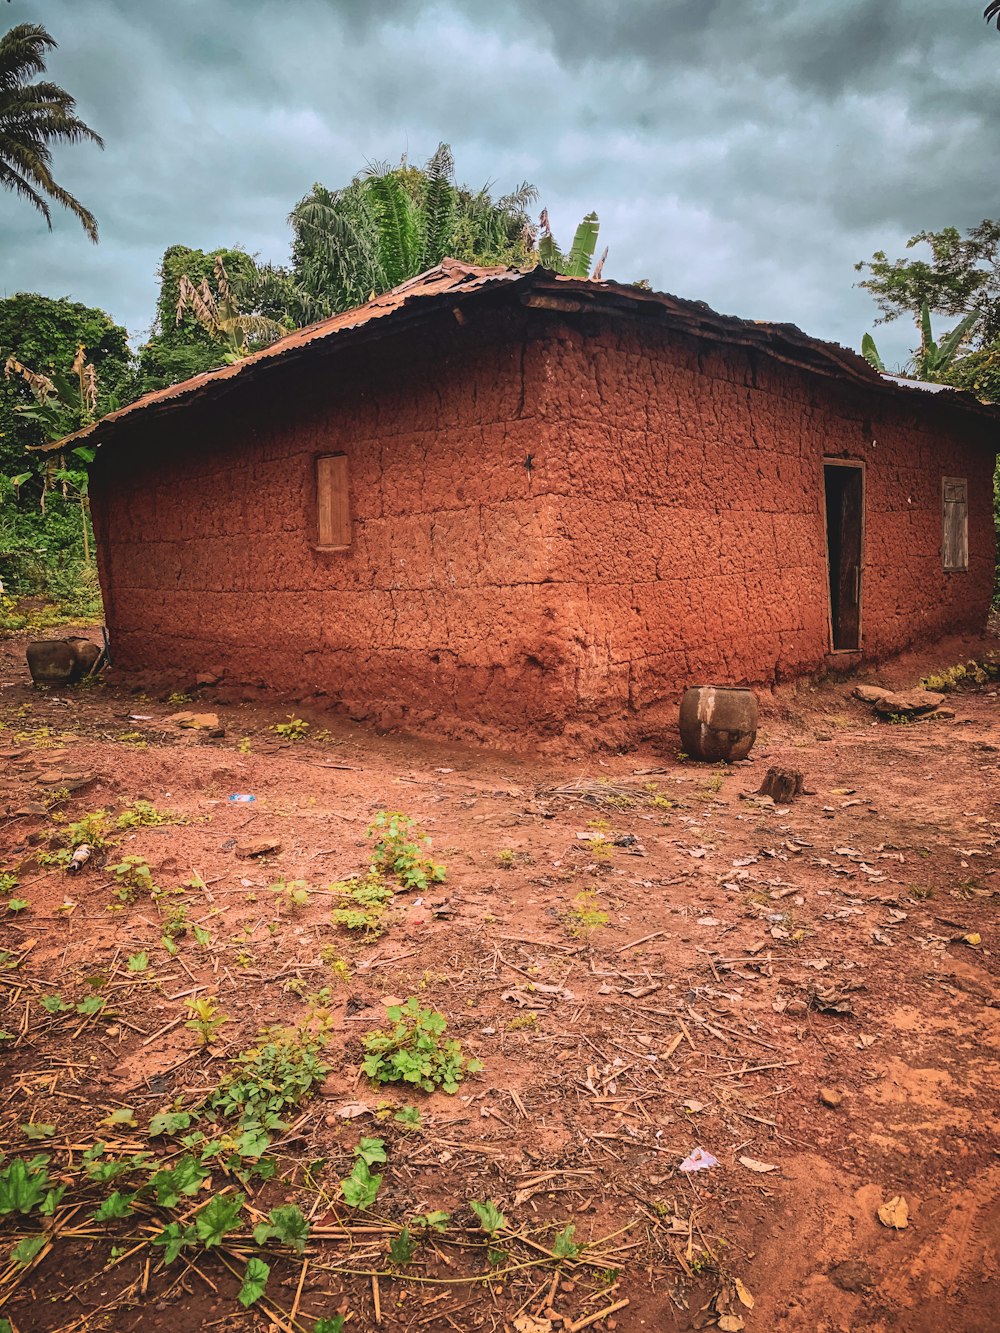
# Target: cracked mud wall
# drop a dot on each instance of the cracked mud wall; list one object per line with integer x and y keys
{"x": 439, "y": 609}
{"x": 690, "y": 540}
{"x": 551, "y": 525}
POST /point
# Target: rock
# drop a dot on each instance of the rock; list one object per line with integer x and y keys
{"x": 796, "y": 1007}
{"x": 781, "y": 784}
{"x": 831, "y": 1097}
{"x": 206, "y": 678}
{"x": 905, "y": 702}
{"x": 851, "y": 1276}
{"x": 265, "y": 847}
{"x": 197, "y": 721}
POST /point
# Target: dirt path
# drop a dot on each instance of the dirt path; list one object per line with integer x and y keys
{"x": 807, "y": 993}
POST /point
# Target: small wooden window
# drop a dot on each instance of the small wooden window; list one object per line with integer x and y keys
{"x": 954, "y": 523}
{"x": 333, "y": 510}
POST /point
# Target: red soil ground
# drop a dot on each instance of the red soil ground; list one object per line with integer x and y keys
{"x": 698, "y": 1015}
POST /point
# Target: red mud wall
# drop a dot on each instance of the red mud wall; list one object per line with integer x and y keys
{"x": 206, "y": 524}
{"x": 550, "y": 525}
{"x": 690, "y": 522}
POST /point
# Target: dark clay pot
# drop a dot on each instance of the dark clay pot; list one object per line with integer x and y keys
{"x": 60, "y": 661}
{"x": 718, "y": 722}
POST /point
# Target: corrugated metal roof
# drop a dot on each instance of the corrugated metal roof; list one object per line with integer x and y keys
{"x": 454, "y": 282}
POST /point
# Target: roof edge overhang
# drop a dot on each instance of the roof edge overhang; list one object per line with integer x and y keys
{"x": 452, "y": 285}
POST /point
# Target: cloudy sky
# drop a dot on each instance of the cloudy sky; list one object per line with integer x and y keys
{"x": 741, "y": 152}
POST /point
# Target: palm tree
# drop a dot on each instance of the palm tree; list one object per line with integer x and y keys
{"x": 391, "y": 223}
{"x": 992, "y": 11}
{"x": 33, "y": 116}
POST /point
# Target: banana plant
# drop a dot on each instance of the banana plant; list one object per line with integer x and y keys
{"x": 932, "y": 359}
{"x": 577, "y": 263}
{"x": 871, "y": 354}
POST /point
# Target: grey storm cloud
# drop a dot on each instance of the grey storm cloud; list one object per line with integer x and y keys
{"x": 743, "y": 152}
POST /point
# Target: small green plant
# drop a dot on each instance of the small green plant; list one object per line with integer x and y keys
{"x": 506, "y": 859}
{"x": 285, "y": 1224}
{"x": 268, "y": 1079}
{"x": 174, "y": 925}
{"x": 205, "y": 1018}
{"x": 292, "y": 730}
{"x": 564, "y": 1246}
{"x": 138, "y": 962}
{"x": 144, "y": 814}
{"x": 16, "y": 905}
{"x": 361, "y": 1186}
{"x": 521, "y": 1021}
{"x": 134, "y": 878}
{"x": 335, "y": 963}
{"x": 963, "y": 676}
{"x": 362, "y": 903}
{"x": 291, "y": 894}
{"x": 491, "y": 1219}
{"x": 899, "y": 719}
{"x": 416, "y": 1051}
{"x": 178, "y": 697}
{"x": 8, "y": 882}
{"x": 601, "y": 849}
{"x": 401, "y": 851}
{"x": 244, "y": 745}
{"x": 585, "y": 915}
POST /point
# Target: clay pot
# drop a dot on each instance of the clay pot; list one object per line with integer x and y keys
{"x": 60, "y": 661}
{"x": 718, "y": 722}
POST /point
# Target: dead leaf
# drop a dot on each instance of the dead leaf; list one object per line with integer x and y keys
{"x": 864, "y": 1041}
{"x": 973, "y": 938}
{"x": 351, "y": 1110}
{"x": 745, "y": 1297}
{"x": 752, "y": 1164}
{"x": 529, "y": 1323}
{"x": 731, "y": 1323}
{"x": 895, "y": 1213}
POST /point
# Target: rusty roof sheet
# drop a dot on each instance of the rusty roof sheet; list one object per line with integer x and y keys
{"x": 453, "y": 282}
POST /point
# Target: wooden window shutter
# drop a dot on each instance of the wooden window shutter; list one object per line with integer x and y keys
{"x": 333, "y": 509}
{"x": 954, "y": 523}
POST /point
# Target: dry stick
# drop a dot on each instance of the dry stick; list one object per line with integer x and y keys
{"x": 375, "y": 1298}
{"x": 595, "y": 1318}
{"x": 642, "y": 940}
{"x": 298, "y": 1291}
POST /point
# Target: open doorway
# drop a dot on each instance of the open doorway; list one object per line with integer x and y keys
{"x": 844, "y": 486}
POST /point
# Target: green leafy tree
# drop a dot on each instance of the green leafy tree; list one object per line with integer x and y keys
{"x": 44, "y": 525}
{"x": 213, "y": 307}
{"x": 33, "y": 117}
{"x": 64, "y": 402}
{"x": 44, "y": 333}
{"x": 961, "y": 275}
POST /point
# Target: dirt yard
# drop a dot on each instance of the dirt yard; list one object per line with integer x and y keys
{"x": 646, "y": 962}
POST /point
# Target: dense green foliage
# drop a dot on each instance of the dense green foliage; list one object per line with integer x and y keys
{"x": 43, "y": 515}
{"x": 44, "y": 333}
{"x": 33, "y": 117}
{"x": 181, "y": 344}
{"x": 391, "y": 223}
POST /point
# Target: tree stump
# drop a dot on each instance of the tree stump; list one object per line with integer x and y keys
{"x": 781, "y": 784}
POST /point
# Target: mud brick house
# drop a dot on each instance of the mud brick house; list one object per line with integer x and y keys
{"x": 505, "y": 500}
